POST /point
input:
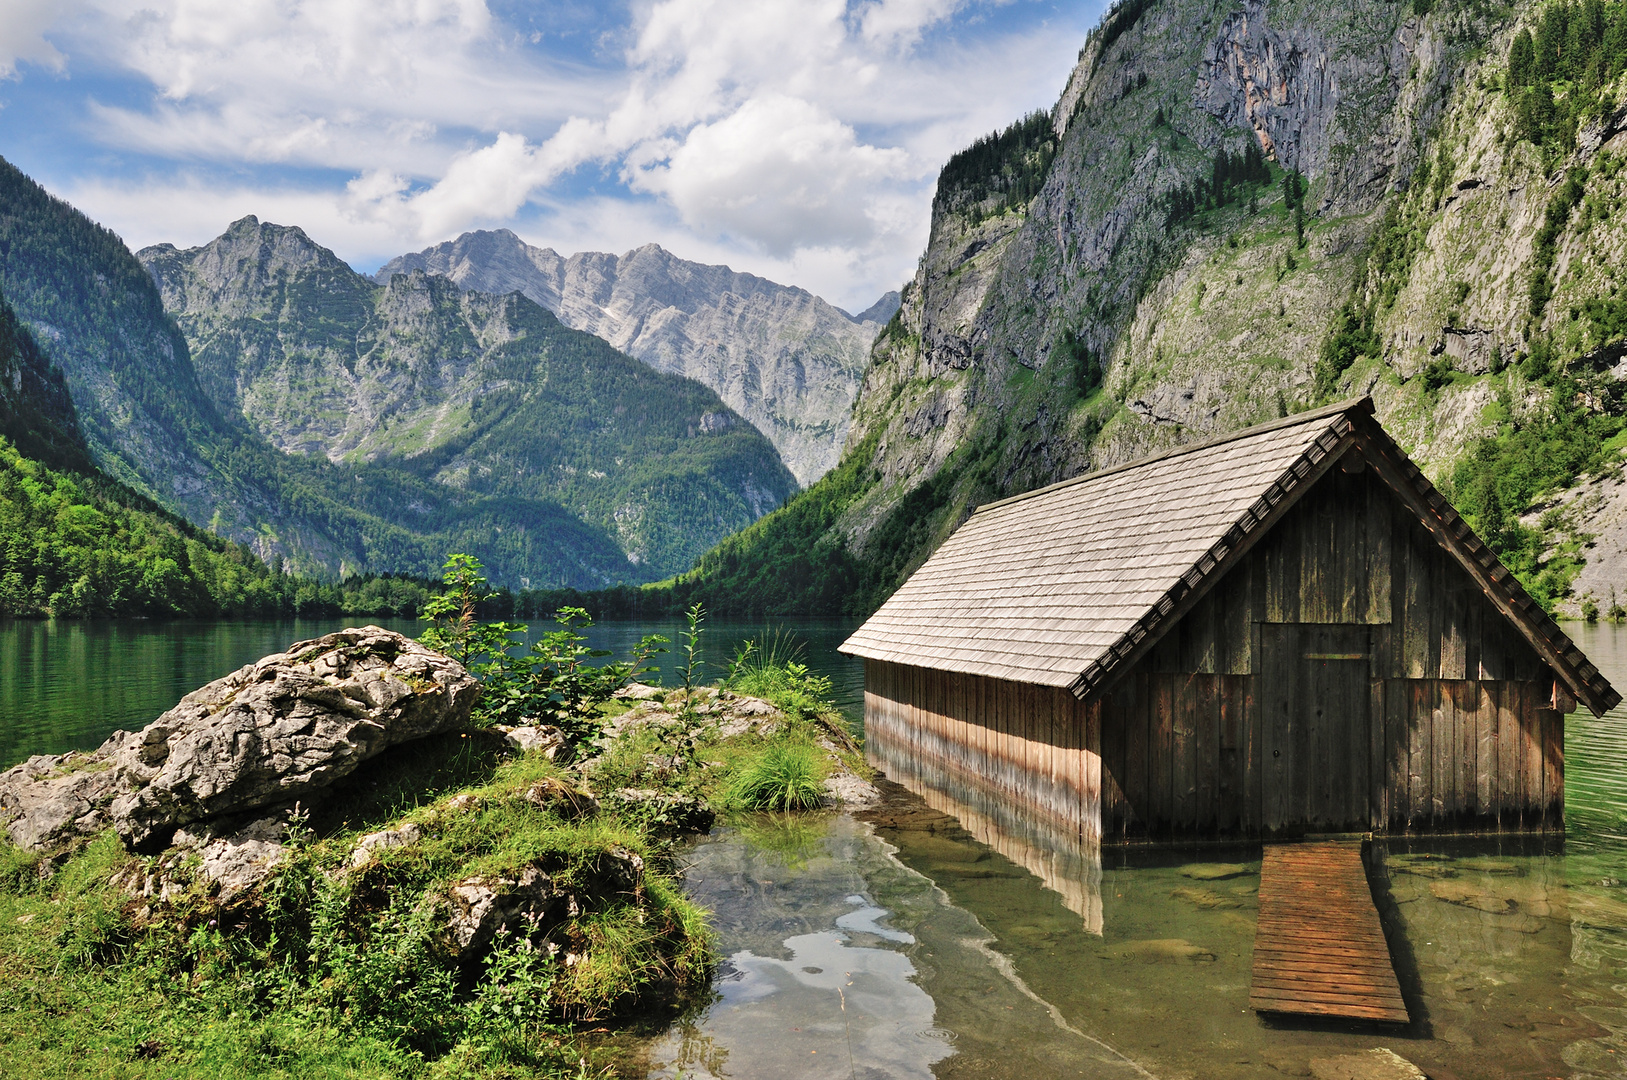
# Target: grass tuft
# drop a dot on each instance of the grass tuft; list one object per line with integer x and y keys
{"x": 787, "y": 776}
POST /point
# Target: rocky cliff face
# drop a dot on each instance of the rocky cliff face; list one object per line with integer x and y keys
{"x": 1102, "y": 320}
{"x": 779, "y": 356}
{"x": 486, "y": 396}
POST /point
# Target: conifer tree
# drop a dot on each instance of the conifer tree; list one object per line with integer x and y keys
{"x": 1521, "y": 58}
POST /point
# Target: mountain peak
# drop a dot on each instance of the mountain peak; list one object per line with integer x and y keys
{"x": 783, "y": 358}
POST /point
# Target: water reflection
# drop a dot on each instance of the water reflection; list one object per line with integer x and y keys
{"x": 1042, "y": 958}
{"x": 844, "y": 962}
{"x": 68, "y": 684}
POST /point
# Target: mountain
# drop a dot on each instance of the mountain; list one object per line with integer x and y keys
{"x": 36, "y": 411}
{"x": 73, "y": 542}
{"x": 880, "y": 311}
{"x": 95, "y": 314}
{"x": 482, "y": 395}
{"x": 779, "y": 356}
{"x": 1234, "y": 213}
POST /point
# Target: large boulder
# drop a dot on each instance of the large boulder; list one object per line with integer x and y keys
{"x": 282, "y": 729}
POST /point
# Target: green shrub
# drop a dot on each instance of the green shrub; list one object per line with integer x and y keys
{"x": 553, "y": 682}
{"x": 786, "y": 777}
{"x": 772, "y": 669}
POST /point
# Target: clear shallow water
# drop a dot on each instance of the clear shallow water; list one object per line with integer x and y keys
{"x": 1040, "y": 963}
{"x": 908, "y": 945}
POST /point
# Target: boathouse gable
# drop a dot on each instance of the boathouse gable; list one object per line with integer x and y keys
{"x": 1282, "y": 632}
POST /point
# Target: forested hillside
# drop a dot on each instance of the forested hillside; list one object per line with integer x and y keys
{"x": 75, "y": 543}
{"x": 1238, "y": 213}
{"x": 486, "y": 396}
{"x": 36, "y": 413}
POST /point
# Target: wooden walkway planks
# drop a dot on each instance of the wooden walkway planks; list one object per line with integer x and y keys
{"x": 1319, "y": 949}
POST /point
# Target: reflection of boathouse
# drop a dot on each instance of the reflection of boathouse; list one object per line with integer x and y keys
{"x": 1286, "y": 630}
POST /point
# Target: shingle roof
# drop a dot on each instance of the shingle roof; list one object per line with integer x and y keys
{"x": 1039, "y": 587}
{"x": 1057, "y": 586}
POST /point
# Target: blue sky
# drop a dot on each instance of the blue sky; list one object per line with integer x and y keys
{"x": 797, "y": 139}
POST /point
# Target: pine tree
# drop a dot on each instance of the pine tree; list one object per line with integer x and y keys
{"x": 1521, "y": 60}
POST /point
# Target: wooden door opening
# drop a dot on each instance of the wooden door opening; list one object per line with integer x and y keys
{"x": 1314, "y": 742}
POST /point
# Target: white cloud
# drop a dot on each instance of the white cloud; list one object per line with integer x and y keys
{"x": 895, "y": 22}
{"x": 350, "y": 84}
{"x": 798, "y": 139}
{"x": 778, "y": 171}
{"x": 23, "y": 24}
{"x": 189, "y": 210}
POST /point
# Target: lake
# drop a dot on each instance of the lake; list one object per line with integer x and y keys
{"x": 908, "y": 945}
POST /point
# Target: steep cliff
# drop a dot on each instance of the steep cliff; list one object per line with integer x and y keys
{"x": 487, "y": 395}
{"x": 779, "y": 356}
{"x": 1233, "y": 213}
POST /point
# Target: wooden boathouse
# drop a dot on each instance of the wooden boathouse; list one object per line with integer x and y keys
{"x": 1283, "y": 631}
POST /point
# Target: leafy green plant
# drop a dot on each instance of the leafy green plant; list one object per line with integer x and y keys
{"x": 773, "y": 670}
{"x": 788, "y": 776}
{"x": 692, "y": 646}
{"x": 454, "y": 628}
{"x": 555, "y": 684}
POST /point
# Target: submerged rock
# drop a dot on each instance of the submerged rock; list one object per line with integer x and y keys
{"x": 1207, "y": 899}
{"x": 1161, "y": 951}
{"x": 1378, "y": 1063}
{"x": 1215, "y": 871}
{"x": 284, "y": 728}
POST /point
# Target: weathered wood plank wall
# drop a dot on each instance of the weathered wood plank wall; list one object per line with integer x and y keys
{"x": 1346, "y": 675}
{"x": 1017, "y": 753}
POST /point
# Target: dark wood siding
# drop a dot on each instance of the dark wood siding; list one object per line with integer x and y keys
{"x": 1347, "y": 674}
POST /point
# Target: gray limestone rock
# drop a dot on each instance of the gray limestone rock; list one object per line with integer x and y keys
{"x": 543, "y": 738}
{"x": 50, "y": 798}
{"x": 367, "y": 846}
{"x": 561, "y": 798}
{"x": 1378, "y": 1063}
{"x": 284, "y": 728}
{"x": 781, "y": 357}
{"x": 291, "y": 724}
{"x": 668, "y": 813}
{"x": 529, "y": 903}
{"x": 242, "y": 859}
{"x": 852, "y": 792}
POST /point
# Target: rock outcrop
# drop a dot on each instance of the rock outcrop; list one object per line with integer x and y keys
{"x": 532, "y": 902}
{"x": 779, "y": 356}
{"x": 1120, "y": 311}
{"x": 282, "y": 729}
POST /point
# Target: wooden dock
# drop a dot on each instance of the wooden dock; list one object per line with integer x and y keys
{"x": 1319, "y": 949}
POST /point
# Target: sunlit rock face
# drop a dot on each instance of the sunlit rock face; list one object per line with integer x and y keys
{"x": 780, "y": 356}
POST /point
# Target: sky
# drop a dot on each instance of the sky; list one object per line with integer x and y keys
{"x": 796, "y": 139}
